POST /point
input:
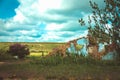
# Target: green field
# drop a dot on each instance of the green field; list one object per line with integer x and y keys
{"x": 35, "y": 47}
{"x": 58, "y": 68}
{"x": 37, "y": 67}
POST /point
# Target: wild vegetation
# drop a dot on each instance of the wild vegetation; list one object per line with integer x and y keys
{"x": 73, "y": 66}
{"x": 19, "y": 50}
{"x": 104, "y": 25}
{"x": 35, "y": 49}
{"x": 59, "y": 68}
{"x": 56, "y": 67}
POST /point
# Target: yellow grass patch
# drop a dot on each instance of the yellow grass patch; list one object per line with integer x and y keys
{"x": 37, "y": 54}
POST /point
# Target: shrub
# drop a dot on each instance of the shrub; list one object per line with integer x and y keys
{"x": 2, "y": 51}
{"x": 18, "y": 50}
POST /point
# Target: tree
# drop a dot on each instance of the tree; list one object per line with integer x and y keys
{"x": 104, "y": 24}
{"x": 18, "y": 50}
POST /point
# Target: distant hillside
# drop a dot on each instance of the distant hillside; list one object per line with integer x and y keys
{"x": 33, "y": 46}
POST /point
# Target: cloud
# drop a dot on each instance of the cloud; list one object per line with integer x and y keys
{"x": 43, "y": 20}
{"x": 4, "y": 33}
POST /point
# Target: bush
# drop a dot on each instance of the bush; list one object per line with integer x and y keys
{"x": 18, "y": 50}
{"x": 2, "y": 51}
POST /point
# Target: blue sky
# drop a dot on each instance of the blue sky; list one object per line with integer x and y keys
{"x": 7, "y": 8}
{"x": 43, "y": 20}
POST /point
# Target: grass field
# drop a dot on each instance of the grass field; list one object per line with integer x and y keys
{"x": 37, "y": 67}
{"x": 35, "y": 47}
{"x": 58, "y": 68}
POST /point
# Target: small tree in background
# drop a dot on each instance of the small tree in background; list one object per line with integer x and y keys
{"x": 18, "y": 50}
{"x": 98, "y": 24}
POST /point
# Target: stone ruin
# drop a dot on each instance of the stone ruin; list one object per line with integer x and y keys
{"x": 97, "y": 51}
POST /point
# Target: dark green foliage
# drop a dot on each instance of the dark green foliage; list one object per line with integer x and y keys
{"x": 2, "y": 51}
{"x": 4, "y": 55}
{"x": 47, "y": 61}
{"x": 18, "y": 50}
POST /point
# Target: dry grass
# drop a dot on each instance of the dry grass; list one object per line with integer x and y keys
{"x": 32, "y": 68}
{"x": 37, "y": 54}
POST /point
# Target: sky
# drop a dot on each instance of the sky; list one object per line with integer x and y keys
{"x": 43, "y": 20}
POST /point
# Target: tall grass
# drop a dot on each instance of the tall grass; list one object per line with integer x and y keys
{"x": 57, "y": 67}
{"x": 79, "y": 60}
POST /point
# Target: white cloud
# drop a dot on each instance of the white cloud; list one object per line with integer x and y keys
{"x": 60, "y": 19}
{"x": 54, "y": 26}
{"x": 19, "y": 18}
